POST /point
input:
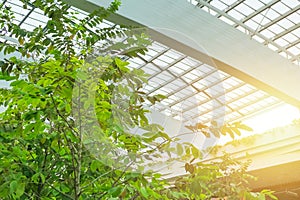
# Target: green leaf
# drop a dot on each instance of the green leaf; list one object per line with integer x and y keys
{"x": 186, "y": 167}
{"x": 159, "y": 97}
{"x": 230, "y": 132}
{"x": 95, "y": 165}
{"x": 195, "y": 187}
{"x": 149, "y": 134}
{"x": 195, "y": 152}
{"x": 4, "y": 189}
{"x": 115, "y": 191}
{"x": 205, "y": 133}
{"x": 144, "y": 192}
{"x": 7, "y": 77}
{"x": 200, "y": 126}
{"x": 54, "y": 145}
{"x": 13, "y": 186}
{"x": 179, "y": 149}
{"x": 42, "y": 178}
{"x": 122, "y": 64}
{"x": 20, "y": 189}
{"x": 269, "y": 193}
{"x": 189, "y": 168}
{"x": 215, "y": 131}
{"x": 224, "y": 130}
{"x": 35, "y": 178}
{"x": 18, "y": 83}
{"x": 244, "y": 127}
{"x": 164, "y": 135}
{"x": 236, "y": 131}
{"x": 64, "y": 188}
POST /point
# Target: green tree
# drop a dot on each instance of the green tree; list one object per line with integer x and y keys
{"x": 70, "y": 108}
{"x": 225, "y": 178}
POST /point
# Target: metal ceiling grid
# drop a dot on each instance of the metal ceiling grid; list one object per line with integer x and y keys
{"x": 274, "y": 23}
{"x": 196, "y": 92}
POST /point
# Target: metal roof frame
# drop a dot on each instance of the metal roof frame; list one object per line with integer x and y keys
{"x": 218, "y": 72}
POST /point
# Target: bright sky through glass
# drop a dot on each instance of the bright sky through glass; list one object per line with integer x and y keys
{"x": 276, "y": 117}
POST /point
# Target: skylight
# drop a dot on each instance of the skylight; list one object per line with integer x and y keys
{"x": 271, "y": 23}
{"x": 197, "y": 92}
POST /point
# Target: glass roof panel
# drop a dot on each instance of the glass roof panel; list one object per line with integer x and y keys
{"x": 196, "y": 92}
{"x": 244, "y": 8}
{"x": 280, "y": 7}
{"x": 254, "y": 4}
{"x": 269, "y": 22}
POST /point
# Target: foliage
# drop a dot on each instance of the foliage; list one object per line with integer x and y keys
{"x": 66, "y": 130}
{"x": 217, "y": 130}
{"x": 223, "y": 179}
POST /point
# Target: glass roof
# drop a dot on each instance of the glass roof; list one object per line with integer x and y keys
{"x": 197, "y": 92}
{"x": 274, "y": 23}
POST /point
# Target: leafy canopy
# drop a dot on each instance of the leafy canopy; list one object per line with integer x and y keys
{"x": 66, "y": 132}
